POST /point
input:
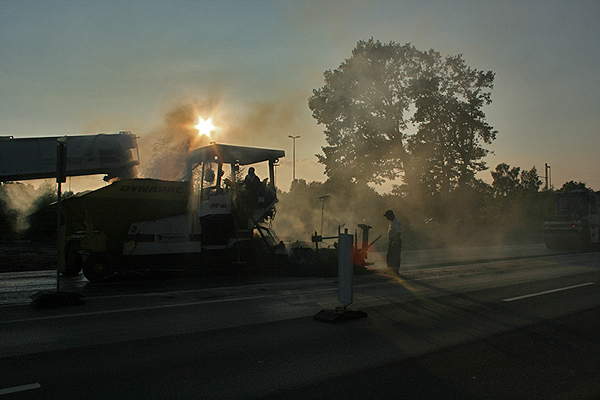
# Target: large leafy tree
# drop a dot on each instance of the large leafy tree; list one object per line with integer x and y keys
{"x": 447, "y": 149}
{"x": 510, "y": 181}
{"x": 506, "y": 180}
{"x": 392, "y": 110}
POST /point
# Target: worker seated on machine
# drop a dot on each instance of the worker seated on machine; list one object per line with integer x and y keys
{"x": 252, "y": 181}
{"x": 252, "y": 185}
{"x": 257, "y": 194}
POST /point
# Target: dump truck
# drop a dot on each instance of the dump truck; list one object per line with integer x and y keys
{"x": 575, "y": 224}
{"x": 209, "y": 221}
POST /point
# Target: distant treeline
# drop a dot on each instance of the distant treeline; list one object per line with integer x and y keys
{"x": 511, "y": 210}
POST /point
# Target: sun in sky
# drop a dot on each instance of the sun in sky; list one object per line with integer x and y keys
{"x": 204, "y": 127}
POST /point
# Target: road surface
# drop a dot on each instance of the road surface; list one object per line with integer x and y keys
{"x": 516, "y": 327}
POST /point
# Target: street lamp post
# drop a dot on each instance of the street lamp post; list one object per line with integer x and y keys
{"x": 548, "y": 177}
{"x": 294, "y": 156}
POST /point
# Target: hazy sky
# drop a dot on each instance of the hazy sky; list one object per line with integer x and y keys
{"x": 81, "y": 67}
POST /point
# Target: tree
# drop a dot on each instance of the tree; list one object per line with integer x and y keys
{"x": 530, "y": 180}
{"x": 572, "y": 185}
{"x": 447, "y": 150}
{"x": 366, "y": 107}
{"x": 518, "y": 207}
{"x": 506, "y": 180}
{"x": 362, "y": 106}
{"x": 510, "y": 181}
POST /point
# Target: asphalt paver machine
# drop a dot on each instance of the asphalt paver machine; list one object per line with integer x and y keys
{"x": 210, "y": 221}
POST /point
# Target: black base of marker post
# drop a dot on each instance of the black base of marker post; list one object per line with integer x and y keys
{"x": 339, "y": 315}
{"x": 56, "y": 299}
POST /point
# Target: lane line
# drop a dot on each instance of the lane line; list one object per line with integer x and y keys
{"x": 21, "y": 388}
{"x": 164, "y": 306}
{"x": 549, "y": 291}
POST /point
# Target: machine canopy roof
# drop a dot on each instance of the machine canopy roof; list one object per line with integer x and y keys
{"x": 229, "y": 154}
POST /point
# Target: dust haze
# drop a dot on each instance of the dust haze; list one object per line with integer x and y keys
{"x": 300, "y": 212}
{"x": 465, "y": 219}
{"x": 258, "y": 124}
{"x": 24, "y": 199}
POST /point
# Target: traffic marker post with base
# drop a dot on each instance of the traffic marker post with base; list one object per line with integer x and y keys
{"x": 345, "y": 276}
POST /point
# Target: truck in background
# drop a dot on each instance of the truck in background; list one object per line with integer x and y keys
{"x": 575, "y": 224}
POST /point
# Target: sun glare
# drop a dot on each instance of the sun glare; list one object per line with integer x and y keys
{"x": 205, "y": 126}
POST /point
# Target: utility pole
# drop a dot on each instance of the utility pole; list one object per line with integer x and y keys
{"x": 294, "y": 156}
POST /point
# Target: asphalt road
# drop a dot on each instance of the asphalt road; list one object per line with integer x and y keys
{"x": 525, "y": 327}
{"x": 18, "y": 287}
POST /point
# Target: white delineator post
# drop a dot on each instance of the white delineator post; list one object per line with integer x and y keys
{"x": 345, "y": 276}
{"x": 345, "y": 268}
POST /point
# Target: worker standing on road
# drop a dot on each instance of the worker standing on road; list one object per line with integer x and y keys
{"x": 394, "y": 256}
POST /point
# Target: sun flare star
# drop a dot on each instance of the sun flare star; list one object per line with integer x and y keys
{"x": 204, "y": 127}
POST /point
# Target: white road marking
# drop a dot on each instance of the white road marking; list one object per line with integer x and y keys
{"x": 21, "y": 388}
{"x": 164, "y": 306}
{"x": 549, "y": 291}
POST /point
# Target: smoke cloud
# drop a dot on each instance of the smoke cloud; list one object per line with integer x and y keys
{"x": 24, "y": 199}
{"x": 257, "y": 124}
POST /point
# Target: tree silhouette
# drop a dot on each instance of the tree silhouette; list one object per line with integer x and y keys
{"x": 506, "y": 180}
{"x": 510, "y": 181}
{"x": 392, "y": 110}
{"x": 572, "y": 185}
